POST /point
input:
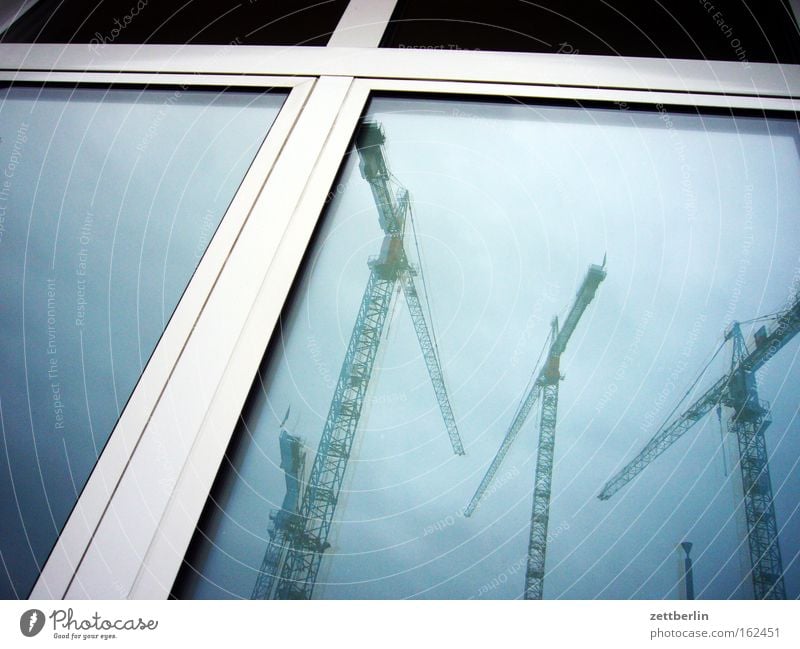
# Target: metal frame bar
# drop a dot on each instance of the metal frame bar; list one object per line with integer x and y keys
{"x": 126, "y": 537}
{"x": 628, "y": 96}
{"x": 333, "y": 122}
{"x": 147, "y": 79}
{"x": 559, "y": 70}
{"x": 363, "y": 23}
{"x": 182, "y": 428}
{"x": 102, "y": 484}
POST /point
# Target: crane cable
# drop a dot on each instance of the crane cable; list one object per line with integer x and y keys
{"x": 390, "y": 316}
{"x": 693, "y": 385}
{"x": 769, "y": 316}
{"x": 534, "y": 375}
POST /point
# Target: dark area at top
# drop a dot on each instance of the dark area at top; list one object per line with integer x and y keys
{"x": 725, "y": 30}
{"x": 242, "y": 22}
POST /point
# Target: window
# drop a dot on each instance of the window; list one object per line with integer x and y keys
{"x": 723, "y": 30}
{"x": 283, "y": 22}
{"x": 109, "y": 198}
{"x": 656, "y": 178}
{"x": 510, "y": 204}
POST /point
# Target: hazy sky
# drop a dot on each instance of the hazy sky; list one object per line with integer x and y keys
{"x": 108, "y": 199}
{"x": 698, "y": 218}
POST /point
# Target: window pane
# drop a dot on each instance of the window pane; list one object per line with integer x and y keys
{"x": 723, "y": 30}
{"x": 223, "y": 22}
{"x": 108, "y": 200}
{"x": 512, "y": 204}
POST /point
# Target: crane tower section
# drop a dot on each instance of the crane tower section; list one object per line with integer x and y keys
{"x": 305, "y": 543}
{"x": 738, "y": 390}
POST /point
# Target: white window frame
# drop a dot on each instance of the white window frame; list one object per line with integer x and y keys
{"x": 123, "y": 440}
{"x": 133, "y": 522}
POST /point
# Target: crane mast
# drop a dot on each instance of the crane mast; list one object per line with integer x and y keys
{"x": 540, "y": 510}
{"x": 544, "y": 388}
{"x": 738, "y": 390}
{"x": 294, "y": 567}
{"x": 749, "y": 421}
{"x": 304, "y": 555}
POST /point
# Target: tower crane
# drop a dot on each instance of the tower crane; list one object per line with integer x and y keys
{"x": 286, "y": 520}
{"x": 293, "y": 557}
{"x": 737, "y": 389}
{"x": 545, "y": 387}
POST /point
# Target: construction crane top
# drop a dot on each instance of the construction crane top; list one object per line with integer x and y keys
{"x": 583, "y": 297}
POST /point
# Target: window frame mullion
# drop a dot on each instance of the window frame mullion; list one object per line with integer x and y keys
{"x": 74, "y": 539}
{"x": 143, "y": 533}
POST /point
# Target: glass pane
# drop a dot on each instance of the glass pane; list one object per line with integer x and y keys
{"x": 108, "y": 199}
{"x": 647, "y": 232}
{"x": 723, "y": 30}
{"x": 223, "y": 22}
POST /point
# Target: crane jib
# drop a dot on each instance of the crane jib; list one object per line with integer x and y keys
{"x": 583, "y": 297}
{"x": 786, "y": 327}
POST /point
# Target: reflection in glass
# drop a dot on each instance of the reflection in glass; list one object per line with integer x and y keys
{"x": 223, "y": 22}
{"x": 108, "y": 199}
{"x": 512, "y": 206}
{"x": 675, "y": 29}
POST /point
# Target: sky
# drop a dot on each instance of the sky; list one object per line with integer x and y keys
{"x": 697, "y": 217}
{"x": 108, "y": 199}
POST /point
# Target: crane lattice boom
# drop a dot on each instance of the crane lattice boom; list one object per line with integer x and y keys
{"x": 665, "y": 438}
{"x": 431, "y": 356}
{"x": 787, "y": 324}
{"x": 522, "y": 414}
{"x": 558, "y": 344}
